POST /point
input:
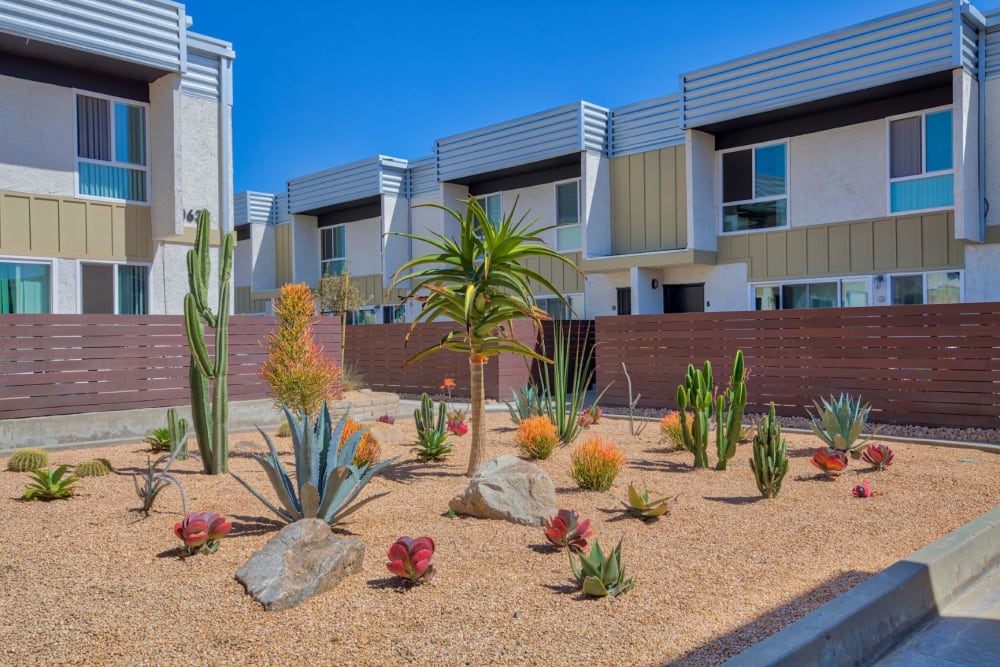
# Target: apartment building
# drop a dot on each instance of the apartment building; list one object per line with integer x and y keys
{"x": 114, "y": 132}
{"x": 852, "y": 168}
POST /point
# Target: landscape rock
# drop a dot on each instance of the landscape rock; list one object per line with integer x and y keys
{"x": 508, "y": 488}
{"x": 387, "y": 434}
{"x": 304, "y": 559}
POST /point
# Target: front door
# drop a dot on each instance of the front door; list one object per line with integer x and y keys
{"x": 684, "y": 298}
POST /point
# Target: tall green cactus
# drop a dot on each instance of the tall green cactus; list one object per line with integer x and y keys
{"x": 696, "y": 393}
{"x": 424, "y": 416}
{"x": 729, "y": 406}
{"x": 210, "y": 413}
{"x": 770, "y": 456}
{"x": 178, "y": 428}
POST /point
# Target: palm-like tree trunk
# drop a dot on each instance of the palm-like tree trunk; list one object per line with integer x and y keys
{"x": 477, "y": 405}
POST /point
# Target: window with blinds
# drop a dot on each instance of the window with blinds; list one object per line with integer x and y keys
{"x": 569, "y": 233}
{"x": 111, "y": 149}
{"x": 333, "y": 250}
{"x": 921, "y": 175}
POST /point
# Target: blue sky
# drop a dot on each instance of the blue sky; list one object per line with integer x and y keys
{"x": 320, "y": 83}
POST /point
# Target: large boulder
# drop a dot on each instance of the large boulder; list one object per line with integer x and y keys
{"x": 304, "y": 559}
{"x": 387, "y": 434}
{"x": 508, "y": 488}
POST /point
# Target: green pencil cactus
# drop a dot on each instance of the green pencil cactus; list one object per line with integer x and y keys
{"x": 696, "y": 394}
{"x": 729, "y": 406}
{"x": 770, "y": 456}
{"x": 209, "y": 411}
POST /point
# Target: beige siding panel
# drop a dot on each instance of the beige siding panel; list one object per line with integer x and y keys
{"x": 758, "y": 256}
{"x": 934, "y": 230}
{"x": 283, "y": 255}
{"x": 734, "y": 248}
{"x": 242, "y": 305}
{"x": 909, "y": 237}
{"x": 138, "y": 234}
{"x": 637, "y": 204}
{"x": 840, "y": 249}
{"x": 100, "y": 226}
{"x": 73, "y": 229}
{"x": 574, "y": 279}
{"x": 796, "y": 252}
{"x": 668, "y": 199}
{"x": 680, "y": 194}
{"x": 777, "y": 251}
{"x": 619, "y": 206}
{"x": 818, "y": 250}
{"x": 118, "y": 232}
{"x": 862, "y": 254}
{"x": 370, "y": 287}
{"x": 956, "y": 248}
{"x": 44, "y": 229}
{"x": 884, "y": 242}
{"x": 15, "y": 237}
{"x": 652, "y": 215}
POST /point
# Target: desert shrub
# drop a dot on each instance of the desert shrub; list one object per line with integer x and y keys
{"x": 596, "y": 463}
{"x": 300, "y": 375}
{"x": 368, "y": 452}
{"x": 670, "y": 428}
{"x": 27, "y": 459}
{"x": 537, "y": 437}
{"x": 352, "y": 379}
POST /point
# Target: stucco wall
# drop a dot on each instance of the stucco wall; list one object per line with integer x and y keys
{"x": 306, "y": 249}
{"x": 702, "y": 194}
{"x": 425, "y": 220}
{"x": 595, "y": 186}
{"x": 198, "y": 155}
{"x": 363, "y": 239}
{"x": 725, "y": 284}
{"x": 243, "y": 266}
{"x": 165, "y": 174}
{"x": 838, "y": 175}
{"x": 168, "y": 279}
{"x": 993, "y": 151}
{"x": 982, "y": 278}
{"x": 538, "y": 203}
{"x": 965, "y": 149}
{"x": 262, "y": 238}
{"x": 37, "y": 144}
{"x": 600, "y": 296}
{"x": 395, "y": 218}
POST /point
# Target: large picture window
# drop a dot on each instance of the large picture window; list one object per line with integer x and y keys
{"x": 755, "y": 188}
{"x": 921, "y": 172}
{"x": 558, "y": 310}
{"x": 111, "y": 148}
{"x": 114, "y": 289}
{"x": 25, "y": 288}
{"x": 569, "y": 231}
{"x": 333, "y": 250}
{"x": 920, "y": 288}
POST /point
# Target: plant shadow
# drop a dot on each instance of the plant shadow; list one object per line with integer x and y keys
{"x": 660, "y": 466}
{"x": 249, "y": 526}
{"x": 566, "y": 589}
{"x": 735, "y": 500}
{"x": 544, "y": 548}
{"x": 172, "y": 552}
{"x": 620, "y": 514}
{"x": 388, "y": 583}
{"x": 411, "y": 470}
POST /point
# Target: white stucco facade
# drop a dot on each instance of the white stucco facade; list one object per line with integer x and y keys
{"x": 37, "y": 141}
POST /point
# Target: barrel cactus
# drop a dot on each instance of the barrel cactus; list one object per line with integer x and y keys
{"x": 93, "y": 468}
{"x": 24, "y": 460}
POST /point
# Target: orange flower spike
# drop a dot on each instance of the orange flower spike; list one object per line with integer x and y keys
{"x": 449, "y": 383}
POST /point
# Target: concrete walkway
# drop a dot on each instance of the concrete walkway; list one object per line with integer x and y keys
{"x": 967, "y": 632}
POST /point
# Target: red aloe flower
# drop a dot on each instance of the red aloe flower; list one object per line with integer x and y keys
{"x": 202, "y": 530}
{"x": 457, "y": 428}
{"x": 863, "y": 490}
{"x": 831, "y": 461}
{"x": 410, "y": 558}
{"x": 878, "y": 455}
{"x": 387, "y": 419}
{"x": 566, "y": 529}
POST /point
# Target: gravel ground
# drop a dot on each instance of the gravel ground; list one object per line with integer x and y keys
{"x": 89, "y": 581}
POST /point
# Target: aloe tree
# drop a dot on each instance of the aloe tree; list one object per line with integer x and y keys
{"x": 479, "y": 282}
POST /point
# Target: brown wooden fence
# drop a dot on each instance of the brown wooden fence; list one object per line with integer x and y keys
{"x": 934, "y": 365}
{"x": 70, "y": 364}
{"x": 378, "y": 353}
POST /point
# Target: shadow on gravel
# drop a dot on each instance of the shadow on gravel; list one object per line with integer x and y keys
{"x": 248, "y": 526}
{"x": 660, "y": 466}
{"x": 735, "y": 500}
{"x": 411, "y": 470}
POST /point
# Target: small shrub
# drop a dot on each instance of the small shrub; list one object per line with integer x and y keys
{"x": 24, "y": 460}
{"x": 50, "y": 485}
{"x": 93, "y": 468}
{"x": 537, "y": 437}
{"x": 368, "y": 452}
{"x": 158, "y": 439}
{"x": 566, "y": 529}
{"x": 670, "y": 428}
{"x": 596, "y": 463}
{"x": 528, "y": 402}
{"x": 352, "y": 379}
{"x": 456, "y": 422}
{"x": 410, "y": 558}
{"x": 201, "y": 531}
{"x": 591, "y": 416}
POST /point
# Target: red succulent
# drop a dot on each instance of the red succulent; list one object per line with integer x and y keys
{"x": 831, "y": 462}
{"x": 387, "y": 419}
{"x": 201, "y": 531}
{"x": 566, "y": 529}
{"x": 863, "y": 490}
{"x": 410, "y": 558}
{"x": 878, "y": 455}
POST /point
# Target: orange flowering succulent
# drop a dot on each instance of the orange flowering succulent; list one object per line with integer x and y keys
{"x": 537, "y": 437}
{"x": 596, "y": 463}
{"x": 368, "y": 452}
{"x": 670, "y": 428}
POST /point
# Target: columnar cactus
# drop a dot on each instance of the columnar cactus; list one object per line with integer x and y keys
{"x": 729, "y": 407}
{"x": 770, "y": 456}
{"x": 210, "y": 413}
{"x": 178, "y": 428}
{"x": 696, "y": 394}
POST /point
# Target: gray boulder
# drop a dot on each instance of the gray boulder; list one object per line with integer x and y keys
{"x": 387, "y": 434}
{"x": 508, "y": 488}
{"x": 304, "y": 559}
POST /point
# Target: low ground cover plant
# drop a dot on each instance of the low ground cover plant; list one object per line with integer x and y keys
{"x": 410, "y": 559}
{"x": 49, "y": 484}
{"x": 600, "y": 575}
{"x": 93, "y": 468}
{"x": 640, "y": 506}
{"x": 201, "y": 532}
{"x": 877, "y": 455}
{"x": 567, "y": 530}
{"x": 831, "y": 462}
{"x": 155, "y": 479}
{"x": 596, "y": 463}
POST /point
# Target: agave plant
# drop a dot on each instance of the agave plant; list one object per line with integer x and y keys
{"x": 566, "y": 529}
{"x": 831, "y": 462}
{"x": 879, "y": 456}
{"x": 326, "y": 480}
{"x": 600, "y": 575}
{"x": 201, "y": 531}
{"x": 158, "y": 439}
{"x": 410, "y": 558}
{"x": 154, "y": 481}
{"x": 864, "y": 490}
{"x": 50, "y": 484}
{"x": 840, "y": 422}
{"x": 528, "y": 402}
{"x": 639, "y": 505}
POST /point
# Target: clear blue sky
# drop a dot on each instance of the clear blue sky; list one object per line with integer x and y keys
{"x": 323, "y": 83}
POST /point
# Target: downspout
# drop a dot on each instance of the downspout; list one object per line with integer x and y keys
{"x": 981, "y": 127}
{"x": 226, "y": 142}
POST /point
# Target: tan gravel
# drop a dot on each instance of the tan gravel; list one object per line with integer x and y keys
{"x": 88, "y": 581}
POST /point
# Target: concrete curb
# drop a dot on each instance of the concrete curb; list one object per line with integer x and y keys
{"x": 105, "y": 428}
{"x": 869, "y": 620}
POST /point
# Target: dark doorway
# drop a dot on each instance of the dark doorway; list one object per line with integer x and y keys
{"x": 684, "y": 298}
{"x": 624, "y": 301}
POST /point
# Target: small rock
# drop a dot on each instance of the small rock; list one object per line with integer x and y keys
{"x": 304, "y": 559}
{"x": 387, "y": 434}
{"x": 508, "y": 488}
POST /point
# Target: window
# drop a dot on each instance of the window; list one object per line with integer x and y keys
{"x": 333, "y": 250}
{"x": 754, "y": 188}
{"x": 569, "y": 232}
{"x": 111, "y": 148}
{"x": 920, "y": 288}
{"x": 819, "y": 294}
{"x": 492, "y": 205}
{"x": 624, "y": 299}
{"x": 25, "y": 288}
{"x": 920, "y": 162}
{"x": 114, "y": 289}
{"x": 558, "y": 310}
{"x": 362, "y": 316}
{"x": 393, "y": 314}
